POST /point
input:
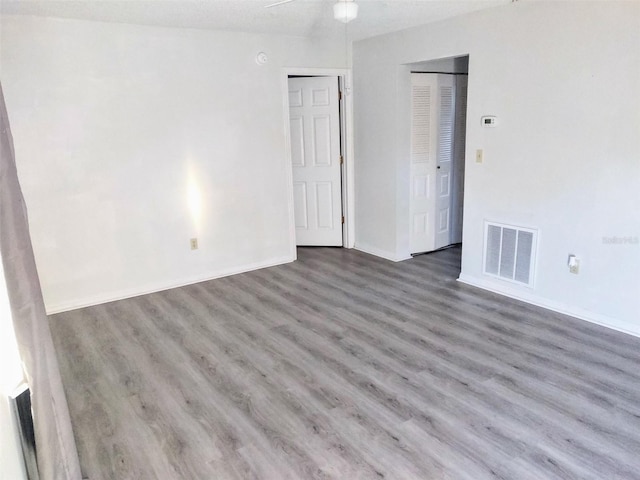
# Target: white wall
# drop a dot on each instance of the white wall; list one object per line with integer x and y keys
{"x": 563, "y": 78}
{"x": 130, "y": 140}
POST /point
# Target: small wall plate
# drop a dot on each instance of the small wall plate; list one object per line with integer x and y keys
{"x": 489, "y": 121}
{"x": 261, "y": 58}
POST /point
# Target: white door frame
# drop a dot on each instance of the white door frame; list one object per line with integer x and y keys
{"x": 346, "y": 130}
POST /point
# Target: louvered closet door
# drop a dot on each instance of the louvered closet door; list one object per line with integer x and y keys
{"x": 458, "y": 162}
{"x": 444, "y": 170}
{"x": 424, "y": 101}
{"x": 432, "y": 149}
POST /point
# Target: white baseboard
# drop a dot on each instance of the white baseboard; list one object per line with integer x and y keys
{"x": 380, "y": 253}
{"x": 136, "y": 292}
{"x": 533, "y": 299}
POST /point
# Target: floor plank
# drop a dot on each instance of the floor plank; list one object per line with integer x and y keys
{"x": 345, "y": 366}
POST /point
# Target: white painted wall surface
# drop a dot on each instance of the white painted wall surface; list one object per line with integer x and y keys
{"x": 562, "y": 78}
{"x": 131, "y": 140}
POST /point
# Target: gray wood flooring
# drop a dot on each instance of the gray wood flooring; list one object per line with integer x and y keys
{"x": 342, "y": 365}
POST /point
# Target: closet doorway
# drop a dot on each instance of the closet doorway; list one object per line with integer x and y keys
{"x": 438, "y": 132}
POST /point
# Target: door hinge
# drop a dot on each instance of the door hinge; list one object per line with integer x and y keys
{"x": 341, "y": 159}
{"x": 339, "y": 94}
{"x": 343, "y": 219}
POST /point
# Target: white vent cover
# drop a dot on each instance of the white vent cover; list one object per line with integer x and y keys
{"x": 509, "y": 252}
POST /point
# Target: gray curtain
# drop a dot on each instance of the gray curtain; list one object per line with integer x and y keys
{"x": 56, "y": 448}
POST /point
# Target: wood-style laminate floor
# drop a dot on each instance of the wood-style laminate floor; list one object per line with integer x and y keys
{"x": 342, "y": 365}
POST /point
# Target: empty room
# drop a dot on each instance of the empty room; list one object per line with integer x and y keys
{"x": 336, "y": 239}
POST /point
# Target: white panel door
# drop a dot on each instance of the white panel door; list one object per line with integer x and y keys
{"x": 423, "y": 161}
{"x": 444, "y": 170}
{"x": 314, "y": 118}
{"x": 432, "y": 148}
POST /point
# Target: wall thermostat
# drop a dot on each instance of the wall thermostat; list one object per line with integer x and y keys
{"x": 489, "y": 121}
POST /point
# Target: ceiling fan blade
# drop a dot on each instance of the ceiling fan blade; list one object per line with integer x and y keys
{"x": 281, "y": 2}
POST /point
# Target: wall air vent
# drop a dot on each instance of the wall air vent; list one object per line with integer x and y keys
{"x": 509, "y": 252}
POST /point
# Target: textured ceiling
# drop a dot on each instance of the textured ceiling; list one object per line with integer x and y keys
{"x": 310, "y": 18}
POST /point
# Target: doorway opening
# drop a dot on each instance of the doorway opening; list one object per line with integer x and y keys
{"x": 438, "y": 139}
{"x": 317, "y": 113}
